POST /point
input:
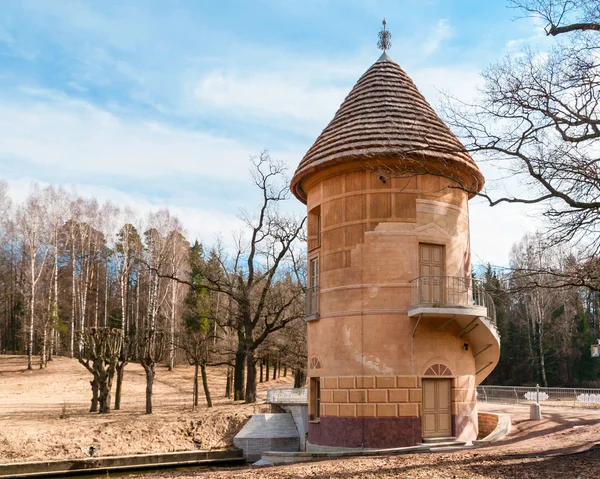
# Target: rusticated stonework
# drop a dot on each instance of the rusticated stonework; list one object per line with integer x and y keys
{"x": 367, "y": 432}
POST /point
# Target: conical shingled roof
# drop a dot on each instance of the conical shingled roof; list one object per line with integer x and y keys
{"x": 384, "y": 116}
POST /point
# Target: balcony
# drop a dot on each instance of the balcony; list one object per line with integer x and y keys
{"x": 444, "y": 296}
{"x": 461, "y": 300}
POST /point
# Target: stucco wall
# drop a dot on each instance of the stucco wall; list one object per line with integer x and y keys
{"x": 370, "y": 362}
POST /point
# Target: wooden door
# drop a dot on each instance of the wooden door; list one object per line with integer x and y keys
{"x": 436, "y": 420}
{"x": 431, "y": 270}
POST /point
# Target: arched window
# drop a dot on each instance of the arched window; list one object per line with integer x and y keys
{"x": 438, "y": 370}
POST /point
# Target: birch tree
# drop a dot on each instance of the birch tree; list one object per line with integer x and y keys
{"x": 34, "y": 235}
{"x": 127, "y": 251}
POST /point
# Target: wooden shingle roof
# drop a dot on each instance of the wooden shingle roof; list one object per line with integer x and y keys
{"x": 384, "y": 116}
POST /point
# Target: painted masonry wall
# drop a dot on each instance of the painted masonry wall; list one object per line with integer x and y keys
{"x": 371, "y": 368}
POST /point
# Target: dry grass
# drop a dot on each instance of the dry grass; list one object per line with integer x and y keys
{"x": 32, "y": 402}
{"x": 44, "y": 413}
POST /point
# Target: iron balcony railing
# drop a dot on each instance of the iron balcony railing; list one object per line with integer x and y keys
{"x": 312, "y": 301}
{"x": 451, "y": 292}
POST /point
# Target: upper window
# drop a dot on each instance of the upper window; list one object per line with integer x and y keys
{"x": 314, "y": 228}
{"x": 312, "y": 293}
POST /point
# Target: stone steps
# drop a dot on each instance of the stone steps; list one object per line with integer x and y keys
{"x": 267, "y": 432}
{"x": 434, "y": 440}
{"x": 443, "y": 443}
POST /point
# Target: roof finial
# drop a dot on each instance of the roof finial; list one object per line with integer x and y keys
{"x": 385, "y": 38}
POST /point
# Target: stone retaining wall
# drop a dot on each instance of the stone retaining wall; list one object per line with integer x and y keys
{"x": 487, "y": 424}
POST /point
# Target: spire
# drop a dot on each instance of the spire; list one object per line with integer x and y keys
{"x": 385, "y": 38}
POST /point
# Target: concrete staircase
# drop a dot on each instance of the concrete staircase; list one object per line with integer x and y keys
{"x": 268, "y": 432}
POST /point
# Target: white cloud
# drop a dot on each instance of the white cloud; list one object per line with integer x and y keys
{"x": 268, "y": 95}
{"x": 494, "y": 230}
{"x": 82, "y": 141}
{"x": 460, "y": 81}
{"x": 443, "y": 31}
{"x": 539, "y": 38}
{"x": 77, "y": 138}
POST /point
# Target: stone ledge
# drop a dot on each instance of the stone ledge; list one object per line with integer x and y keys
{"x": 118, "y": 463}
{"x": 275, "y": 457}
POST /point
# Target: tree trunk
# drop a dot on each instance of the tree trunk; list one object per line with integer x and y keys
{"x": 299, "y": 377}
{"x": 205, "y": 385}
{"x": 44, "y": 346}
{"x": 54, "y": 337}
{"x": 229, "y": 381}
{"x": 542, "y": 355}
{"x": 250, "y": 378}
{"x": 106, "y": 299}
{"x": 261, "y": 370}
{"x": 274, "y": 370}
{"x": 284, "y": 370}
{"x": 238, "y": 376}
{"x": 172, "y": 325}
{"x": 72, "y": 339}
{"x": 137, "y": 301}
{"x": 105, "y": 384}
{"x": 95, "y": 387}
{"x": 96, "y": 300}
{"x": 267, "y": 369}
{"x": 120, "y": 373}
{"x": 195, "y": 385}
{"x": 32, "y": 312}
{"x": 149, "y": 368}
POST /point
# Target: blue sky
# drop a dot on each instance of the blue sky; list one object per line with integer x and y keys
{"x": 160, "y": 103}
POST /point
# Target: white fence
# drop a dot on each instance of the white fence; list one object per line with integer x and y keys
{"x": 573, "y": 397}
{"x": 287, "y": 396}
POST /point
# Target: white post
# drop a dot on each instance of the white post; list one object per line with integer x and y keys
{"x": 535, "y": 413}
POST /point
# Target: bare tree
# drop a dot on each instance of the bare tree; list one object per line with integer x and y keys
{"x": 151, "y": 346}
{"x": 260, "y": 304}
{"x": 56, "y": 200}
{"x": 538, "y": 304}
{"x": 99, "y": 353}
{"x": 126, "y": 252}
{"x": 196, "y": 343}
{"x": 178, "y": 248}
{"x": 538, "y": 116}
{"x": 32, "y": 228}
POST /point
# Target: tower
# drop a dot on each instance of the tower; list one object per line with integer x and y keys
{"x": 399, "y": 334}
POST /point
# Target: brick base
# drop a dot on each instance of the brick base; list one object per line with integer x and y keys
{"x": 368, "y": 432}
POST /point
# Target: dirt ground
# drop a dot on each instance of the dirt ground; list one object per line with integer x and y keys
{"x": 552, "y": 448}
{"x": 44, "y": 413}
{"x": 31, "y": 428}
